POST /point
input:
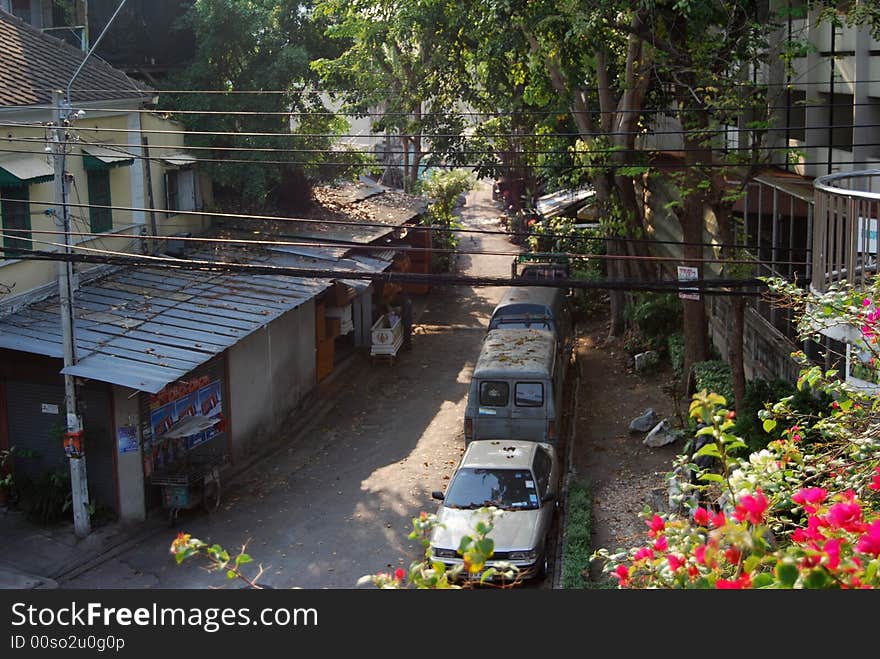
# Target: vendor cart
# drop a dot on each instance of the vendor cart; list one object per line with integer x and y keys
{"x": 387, "y": 337}
{"x": 196, "y": 483}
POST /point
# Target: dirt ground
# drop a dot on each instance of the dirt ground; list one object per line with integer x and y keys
{"x": 625, "y": 475}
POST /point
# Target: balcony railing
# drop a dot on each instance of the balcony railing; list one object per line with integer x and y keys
{"x": 845, "y": 228}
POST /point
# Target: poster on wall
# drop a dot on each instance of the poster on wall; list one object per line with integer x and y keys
{"x": 194, "y": 409}
{"x": 127, "y": 439}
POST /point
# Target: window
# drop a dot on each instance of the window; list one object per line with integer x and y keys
{"x": 15, "y": 213}
{"x": 508, "y": 489}
{"x": 100, "y": 219}
{"x": 182, "y": 190}
{"x": 529, "y": 394}
{"x": 494, "y": 394}
{"x": 543, "y": 466}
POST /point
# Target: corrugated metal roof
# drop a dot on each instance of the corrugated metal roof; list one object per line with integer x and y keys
{"x": 145, "y": 328}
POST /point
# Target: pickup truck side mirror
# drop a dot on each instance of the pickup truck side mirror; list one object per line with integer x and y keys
{"x": 437, "y": 494}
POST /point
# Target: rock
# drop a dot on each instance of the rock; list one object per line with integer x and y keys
{"x": 660, "y": 435}
{"x": 645, "y": 422}
{"x": 645, "y": 360}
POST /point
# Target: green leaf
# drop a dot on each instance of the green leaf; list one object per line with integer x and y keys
{"x": 712, "y": 478}
{"x": 817, "y": 579}
{"x": 751, "y": 563}
{"x": 710, "y": 450}
{"x": 787, "y": 573}
{"x": 464, "y": 544}
{"x": 488, "y": 574}
{"x": 241, "y": 559}
{"x": 769, "y": 425}
{"x": 763, "y": 580}
{"x": 230, "y": 574}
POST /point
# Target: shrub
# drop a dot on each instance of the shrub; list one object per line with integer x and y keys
{"x": 653, "y": 317}
{"x": 714, "y": 376}
{"x": 576, "y": 547}
{"x": 675, "y": 345}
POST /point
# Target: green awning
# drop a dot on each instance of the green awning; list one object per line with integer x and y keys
{"x": 25, "y": 169}
{"x": 97, "y": 158}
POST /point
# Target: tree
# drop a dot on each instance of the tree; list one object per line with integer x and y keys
{"x": 269, "y": 132}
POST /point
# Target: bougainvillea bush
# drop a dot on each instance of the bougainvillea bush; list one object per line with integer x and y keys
{"x": 802, "y": 513}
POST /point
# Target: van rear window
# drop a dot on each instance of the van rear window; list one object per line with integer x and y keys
{"x": 494, "y": 394}
{"x": 529, "y": 394}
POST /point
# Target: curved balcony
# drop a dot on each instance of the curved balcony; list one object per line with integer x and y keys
{"x": 845, "y": 228}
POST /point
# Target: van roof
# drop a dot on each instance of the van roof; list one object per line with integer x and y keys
{"x": 529, "y": 295}
{"x": 524, "y": 352}
{"x": 500, "y": 453}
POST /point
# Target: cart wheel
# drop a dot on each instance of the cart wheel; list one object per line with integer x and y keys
{"x": 211, "y": 496}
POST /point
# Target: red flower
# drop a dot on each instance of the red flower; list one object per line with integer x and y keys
{"x": 701, "y": 517}
{"x": 399, "y": 574}
{"x": 870, "y": 542}
{"x": 657, "y": 526}
{"x": 700, "y": 554}
{"x": 622, "y": 573}
{"x": 744, "y": 581}
{"x": 835, "y": 404}
{"x": 732, "y": 554}
{"x": 875, "y": 484}
{"x": 693, "y": 571}
{"x": 751, "y": 508}
{"x": 660, "y": 543}
{"x": 846, "y": 516}
{"x": 719, "y": 520}
{"x": 810, "y": 498}
{"x": 674, "y": 561}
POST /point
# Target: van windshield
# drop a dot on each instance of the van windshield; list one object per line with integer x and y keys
{"x": 524, "y": 324}
{"x": 508, "y": 489}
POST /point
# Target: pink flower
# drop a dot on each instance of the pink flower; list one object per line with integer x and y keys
{"x": 810, "y": 498}
{"x": 622, "y": 573}
{"x": 657, "y": 526}
{"x": 811, "y": 533}
{"x": 846, "y": 516}
{"x": 832, "y": 550}
{"x": 875, "y": 484}
{"x": 700, "y": 554}
{"x": 399, "y": 574}
{"x": 751, "y": 508}
{"x": 870, "y": 542}
{"x": 660, "y": 543}
{"x": 674, "y": 561}
{"x": 701, "y": 517}
{"x": 719, "y": 520}
{"x": 643, "y": 553}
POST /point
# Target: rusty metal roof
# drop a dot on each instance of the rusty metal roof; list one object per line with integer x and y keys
{"x": 147, "y": 327}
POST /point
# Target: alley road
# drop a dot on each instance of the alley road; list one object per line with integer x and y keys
{"x": 338, "y": 503}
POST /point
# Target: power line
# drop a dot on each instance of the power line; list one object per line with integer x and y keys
{"x": 706, "y": 286}
{"x": 396, "y": 248}
{"x": 423, "y": 227}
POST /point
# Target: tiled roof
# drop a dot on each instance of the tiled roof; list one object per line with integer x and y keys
{"x": 32, "y": 64}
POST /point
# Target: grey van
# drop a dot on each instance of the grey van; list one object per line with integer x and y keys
{"x": 536, "y": 307}
{"x": 516, "y": 387}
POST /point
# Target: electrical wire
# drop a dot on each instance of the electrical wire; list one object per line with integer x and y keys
{"x": 707, "y": 286}
{"x": 423, "y": 227}
{"x": 406, "y": 249}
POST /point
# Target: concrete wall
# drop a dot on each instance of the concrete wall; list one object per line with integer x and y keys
{"x": 270, "y": 373}
{"x": 767, "y": 352}
{"x": 129, "y": 464}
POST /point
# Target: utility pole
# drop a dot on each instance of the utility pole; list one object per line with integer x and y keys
{"x": 73, "y": 438}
